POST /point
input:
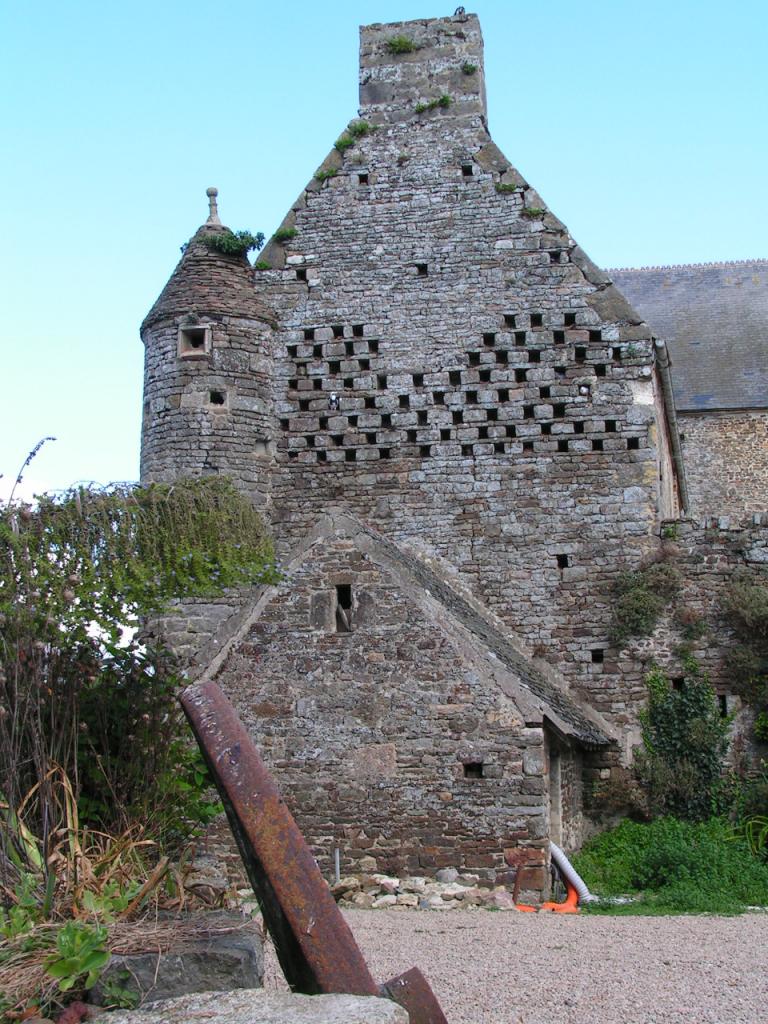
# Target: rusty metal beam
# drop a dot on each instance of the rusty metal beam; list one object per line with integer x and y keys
{"x": 313, "y": 942}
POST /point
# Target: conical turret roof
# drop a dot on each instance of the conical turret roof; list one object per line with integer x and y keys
{"x": 207, "y": 281}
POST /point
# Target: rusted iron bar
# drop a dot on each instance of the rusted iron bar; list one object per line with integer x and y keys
{"x": 313, "y": 942}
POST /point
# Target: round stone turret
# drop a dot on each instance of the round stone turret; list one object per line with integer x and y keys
{"x": 208, "y": 357}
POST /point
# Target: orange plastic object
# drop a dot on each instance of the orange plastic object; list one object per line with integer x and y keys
{"x": 569, "y": 906}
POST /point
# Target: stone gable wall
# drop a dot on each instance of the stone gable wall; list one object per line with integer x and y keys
{"x": 368, "y": 731}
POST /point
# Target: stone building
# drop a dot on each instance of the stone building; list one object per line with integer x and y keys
{"x": 460, "y": 431}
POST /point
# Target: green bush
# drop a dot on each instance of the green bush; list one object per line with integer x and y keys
{"x": 397, "y": 45}
{"x": 640, "y": 598}
{"x": 234, "y": 243}
{"x": 674, "y": 867}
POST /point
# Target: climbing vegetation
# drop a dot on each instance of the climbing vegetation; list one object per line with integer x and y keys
{"x": 639, "y": 599}
{"x": 745, "y": 606}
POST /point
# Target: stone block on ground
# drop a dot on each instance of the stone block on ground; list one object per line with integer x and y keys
{"x": 225, "y": 953}
{"x": 255, "y": 1006}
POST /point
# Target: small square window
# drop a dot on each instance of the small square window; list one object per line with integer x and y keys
{"x": 422, "y": 270}
{"x": 569, "y": 319}
{"x": 362, "y": 178}
{"x": 466, "y": 170}
{"x": 537, "y": 319}
{"x": 194, "y": 342}
{"x": 301, "y": 274}
{"x": 218, "y": 398}
{"x": 473, "y": 770}
{"x": 309, "y": 334}
{"x": 357, "y": 330}
{"x": 563, "y": 561}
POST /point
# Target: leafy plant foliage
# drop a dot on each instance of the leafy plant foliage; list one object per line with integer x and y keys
{"x": 640, "y": 598}
{"x": 234, "y": 243}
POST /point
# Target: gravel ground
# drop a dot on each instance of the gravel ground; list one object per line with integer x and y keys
{"x": 507, "y": 968}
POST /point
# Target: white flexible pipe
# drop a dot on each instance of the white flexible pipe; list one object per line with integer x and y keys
{"x": 568, "y": 872}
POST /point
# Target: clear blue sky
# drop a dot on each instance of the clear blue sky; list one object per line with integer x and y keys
{"x": 642, "y": 124}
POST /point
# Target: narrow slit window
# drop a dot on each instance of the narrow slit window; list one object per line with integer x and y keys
{"x": 301, "y": 274}
{"x": 343, "y": 608}
{"x": 381, "y": 382}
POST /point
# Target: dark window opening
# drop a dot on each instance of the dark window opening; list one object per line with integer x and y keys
{"x": 502, "y": 356}
{"x": 498, "y": 447}
{"x": 422, "y": 269}
{"x": 418, "y": 380}
{"x": 293, "y": 351}
{"x": 511, "y": 431}
{"x": 678, "y": 683}
{"x": 722, "y": 701}
{"x": 492, "y": 414}
{"x": 349, "y": 382}
{"x": 520, "y": 375}
{"x": 454, "y": 378}
{"x": 527, "y": 446}
{"x": 610, "y": 426}
{"x": 350, "y": 455}
{"x": 411, "y": 436}
{"x": 334, "y": 366}
{"x": 362, "y": 178}
{"x": 580, "y": 354}
{"x": 562, "y": 445}
{"x": 534, "y": 356}
{"x": 445, "y": 434}
{"x": 595, "y": 337}
{"x": 597, "y": 444}
{"x": 563, "y": 561}
{"x": 546, "y": 428}
{"x": 381, "y": 382}
{"x": 293, "y": 455}
{"x": 578, "y": 427}
{"x": 217, "y": 398}
{"x": 482, "y": 433}
{"x": 474, "y": 358}
{"x": 317, "y": 351}
{"x": 384, "y": 453}
{"x": 404, "y": 402}
{"x": 569, "y": 319}
{"x": 310, "y": 439}
{"x": 503, "y": 395}
{"x": 558, "y": 337}
{"x": 370, "y": 402}
{"x": 528, "y": 412}
{"x": 467, "y": 449}
{"x": 317, "y": 384}
{"x": 421, "y": 416}
{"x": 599, "y": 369}
{"x": 386, "y": 419}
{"x": 285, "y": 424}
{"x": 293, "y": 383}
{"x": 509, "y": 320}
{"x": 545, "y": 392}
{"x": 471, "y": 396}
{"x": 466, "y": 170}
{"x": 558, "y": 410}
{"x": 373, "y": 346}
{"x": 338, "y": 439}
{"x": 309, "y": 334}
{"x": 321, "y": 457}
{"x": 597, "y": 654}
{"x": 560, "y": 371}
{"x": 616, "y": 352}
{"x": 343, "y": 607}
{"x": 370, "y": 438}
{"x": 438, "y": 397}
{"x": 485, "y": 376}
{"x": 301, "y": 274}
{"x": 349, "y": 348}
{"x": 323, "y": 422}
{"x": 633, "y": 444}
{"x": 338, "y": 331}
{"x": 458, "y": 416}
{"x": 357, "y": 330}
{"x": 353, "y": 421}
{"x": 489, "y": 339}
{"x": 537, "y": 319}
{"x": 193, "y": 339}
{"x": 304, "y": 405}
{"x": 520, "y": 338}
{"x": 425, "y": 451}
{"x": 554, "y": 255}
{"x": 364, "y": 364}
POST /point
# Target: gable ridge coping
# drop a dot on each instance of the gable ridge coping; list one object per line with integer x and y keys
{"x": 760, "y": 261}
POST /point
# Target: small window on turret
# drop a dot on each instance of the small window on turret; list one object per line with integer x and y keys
{"x": 194, "y": 342}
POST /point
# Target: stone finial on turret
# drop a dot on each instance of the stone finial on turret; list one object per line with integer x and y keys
{"x": 213, "y": 208}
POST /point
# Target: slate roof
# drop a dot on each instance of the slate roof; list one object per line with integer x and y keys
{"x": 714, "y": 318}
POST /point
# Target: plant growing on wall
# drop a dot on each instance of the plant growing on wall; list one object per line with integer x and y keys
{"x": 681, "y": 765}
{"x": 468, "y": 69}
{"x": 745, "y": 606}
{"x": 284, "y": 234}
{"x": 234, "y": 243}
{"x": 398, "y": 45}
{"x": 640, "y": 598}
{"x": 442, "y": 102}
